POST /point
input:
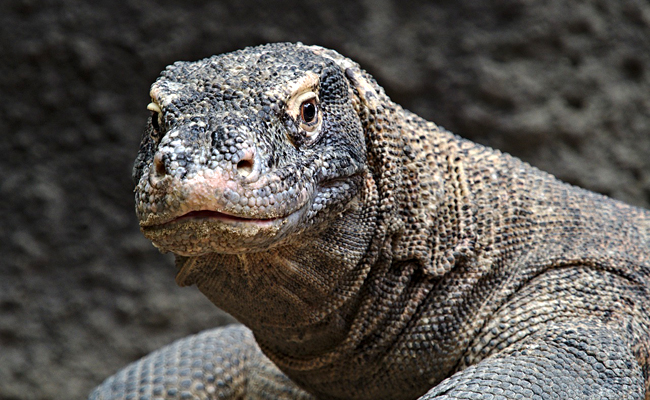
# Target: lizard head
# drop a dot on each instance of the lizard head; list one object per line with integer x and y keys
{"x": 245, "y": 150}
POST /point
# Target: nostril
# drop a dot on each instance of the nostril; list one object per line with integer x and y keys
{"x": 245, "y": 167}
{"x": 159, "y": 165}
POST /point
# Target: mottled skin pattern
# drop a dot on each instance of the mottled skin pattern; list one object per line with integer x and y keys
{"x": 371, "y": 254}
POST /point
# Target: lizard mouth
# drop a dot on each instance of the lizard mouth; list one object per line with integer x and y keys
{"x": 219, "y": 216}
{"x": 200, "y": 232}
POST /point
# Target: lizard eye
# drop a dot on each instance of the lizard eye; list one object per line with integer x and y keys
{"x": 305, "y": 115}
{"x": 156, "y": 114}
{"x": 154, "y": 121}
{"x": 310, "y": 114}
{"x": 308, "y": 111}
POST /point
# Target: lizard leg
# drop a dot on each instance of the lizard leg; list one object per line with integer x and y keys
{"x": 566, "y": 361}
{"x": 223, "y": 363}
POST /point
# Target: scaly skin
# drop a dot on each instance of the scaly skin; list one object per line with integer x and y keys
{"x": 371, "y": 254}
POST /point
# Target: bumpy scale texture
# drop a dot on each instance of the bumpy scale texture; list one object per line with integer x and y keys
{"x": 371, "y": 254}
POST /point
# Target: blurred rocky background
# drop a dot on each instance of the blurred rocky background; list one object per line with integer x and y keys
{"x": 563, "y": 84}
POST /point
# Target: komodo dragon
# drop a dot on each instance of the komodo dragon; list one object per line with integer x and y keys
{"x": 371, "y": 254}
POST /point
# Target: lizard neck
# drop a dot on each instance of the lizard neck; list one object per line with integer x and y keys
{"x": 414, "y": 188}
{"x": 426, "y": 246}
